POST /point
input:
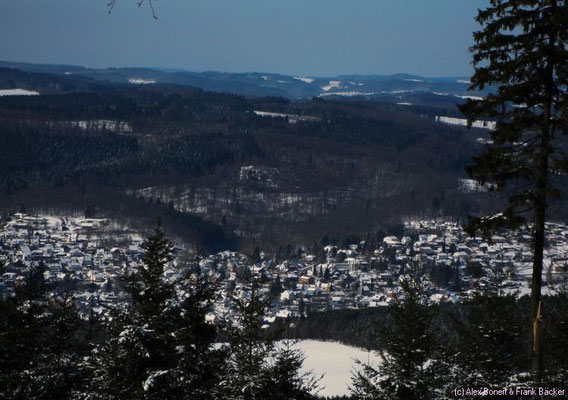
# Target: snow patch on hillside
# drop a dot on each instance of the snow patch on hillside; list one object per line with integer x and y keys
{"x": 292, "y": 118}
{"x": 331, "y": 85}
{"x": 472, "y": 186}
{"x": 463, "y": 122}
{"x": 471, "y": 97}
{"x": 307, "y": 80}
{"x": 141, "y": 81}
{"x": 102, "y": 124}
{"x": 270, "y": 114}
{"x": 347, "y": 94}
{"x": 484, "y": 141}
{"x": 259, "y": 175}
{"x": 17, "y": 92}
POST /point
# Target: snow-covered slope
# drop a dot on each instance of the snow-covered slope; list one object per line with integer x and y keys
{"x": 17, "y": 92}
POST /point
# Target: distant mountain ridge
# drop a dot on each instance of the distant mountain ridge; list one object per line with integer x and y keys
{"x": 398, "y": 88}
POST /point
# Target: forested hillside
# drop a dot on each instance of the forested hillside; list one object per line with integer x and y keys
{"x": 265, "y": 170}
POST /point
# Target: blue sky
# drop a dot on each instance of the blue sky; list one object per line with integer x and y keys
{"x": 296, "y": 37}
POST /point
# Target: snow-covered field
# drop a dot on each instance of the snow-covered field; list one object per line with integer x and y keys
{"x": 336, "y": 361}
{"x": 114, "y": 126}
{"x": 141, "y": 81}
{"x": 292, "y": 118}
{"x": 331, "y": 85}
{"x": 471, "y": 97}
{"x": 17, "y": 92}
{"x": 333, "y": 360}
{"x": 347, "y": 94}
{"x": 306, "y": 80}
{"x": 463, "y": 122}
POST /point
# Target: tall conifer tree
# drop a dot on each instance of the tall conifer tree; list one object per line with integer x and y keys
{"x": 258, "y": 367}
{"x": 522, "y": 52}
{"x": 163, "y": 347}
{"x": 410, "y": 366}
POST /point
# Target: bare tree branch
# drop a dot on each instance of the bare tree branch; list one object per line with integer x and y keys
{"x": 112, "y": 3}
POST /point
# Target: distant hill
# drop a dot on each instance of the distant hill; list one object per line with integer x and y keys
{"x": 44, "y": 83}
{"x": 398, "y": 88}
{"x": 232, "y": 159}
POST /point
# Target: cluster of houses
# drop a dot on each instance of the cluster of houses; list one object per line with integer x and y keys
{"x": 85, "y": 256}
{"x": 89, "y": 255}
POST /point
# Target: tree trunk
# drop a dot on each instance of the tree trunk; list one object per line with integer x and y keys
{"x": 540, "y": 205}
{"x": 535, "y": 323}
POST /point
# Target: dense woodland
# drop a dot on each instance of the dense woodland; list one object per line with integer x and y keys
{"x": 161, "y": 347}
{"x": 334, "y": 167}
{"x": 227, "y": 171}
{"x": 223, "y": 177}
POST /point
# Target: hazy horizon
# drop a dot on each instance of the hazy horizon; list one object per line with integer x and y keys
{"x": 179, "y": 69}
{"x": 316, "y": 38}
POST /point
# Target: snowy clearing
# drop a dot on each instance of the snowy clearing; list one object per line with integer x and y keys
{"x": 292, "y": 118}
{"x": 141, "y": 81}
{"x": 17, "y": 92}
{"x": 271, "y": 114}
{"x": 471, "y": 97}
{"x": 463, "y": 122}
{"x": 472, "y": 186}
{"x": 336, "y": 361}
{"x": 102, "y": 124}
{"x": 347, "y": 94}
{"x": 484, "y": 141}
{"x": 307, "y": 80}
{"x": 331, "y": 85}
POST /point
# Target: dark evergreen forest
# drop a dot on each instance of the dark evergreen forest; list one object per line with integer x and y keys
{"x": 325, "y": 167}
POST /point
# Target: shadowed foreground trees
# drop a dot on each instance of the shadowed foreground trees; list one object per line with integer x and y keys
{"x": 522, "y": 49}
{"x": 42, "y": 340}
{"x": 258, "y": 367}
{"x": 429, "y": 351}
{"x": 161, "y": 347}
{"x": 410, "y": 365}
